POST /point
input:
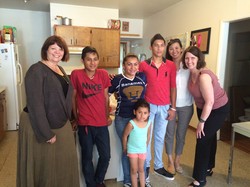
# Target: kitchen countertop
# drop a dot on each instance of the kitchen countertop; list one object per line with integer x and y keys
{"x": 2, "y": 88}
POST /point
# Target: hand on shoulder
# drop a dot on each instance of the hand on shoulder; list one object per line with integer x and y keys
{"x": 112, "y": 76}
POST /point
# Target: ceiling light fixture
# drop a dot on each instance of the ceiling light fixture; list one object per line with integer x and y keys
{"x": 25, "y": 1}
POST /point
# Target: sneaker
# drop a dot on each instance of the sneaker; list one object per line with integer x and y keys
{"x": 162, "y": 172}
{"x": 127, "y": 185}
{"x": 147, "y": 174}
{"x": 147, "y": 184}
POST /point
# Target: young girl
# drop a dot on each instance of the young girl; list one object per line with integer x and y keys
{"x": 138, "y": 130}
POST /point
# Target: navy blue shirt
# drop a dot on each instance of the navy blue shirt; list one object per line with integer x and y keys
{"x": 128, "y": 92}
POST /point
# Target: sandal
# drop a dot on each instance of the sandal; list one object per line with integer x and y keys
{"x": 171, "y": 169}
{"x": 179, "y": 169}
{"x": 210, "y": 172}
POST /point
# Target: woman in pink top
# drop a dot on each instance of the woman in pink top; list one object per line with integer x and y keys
{"x": 212, "y": 109}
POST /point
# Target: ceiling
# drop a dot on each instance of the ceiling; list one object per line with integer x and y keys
{"x": 127, "y": 8}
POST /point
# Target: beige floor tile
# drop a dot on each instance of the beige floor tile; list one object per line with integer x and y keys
{"x": 241, "y": 166}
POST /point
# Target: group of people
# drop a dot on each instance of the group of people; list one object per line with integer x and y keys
{"x": 154, "y": 99}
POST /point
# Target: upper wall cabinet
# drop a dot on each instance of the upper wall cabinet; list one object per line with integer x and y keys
{"x": 107, "y": 43}
{"x": 74, "y": 36}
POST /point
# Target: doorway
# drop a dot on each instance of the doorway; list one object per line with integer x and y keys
{"x": 234, "y": 70}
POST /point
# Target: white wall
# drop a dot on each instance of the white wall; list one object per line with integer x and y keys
{"x": 189, "y": 15}
{"x": 135, "y": 28}
{"x": 32, "y": 30}
{"x": 83, "y": 15}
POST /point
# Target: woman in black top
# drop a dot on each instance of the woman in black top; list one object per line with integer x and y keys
{"x": 46, "y": 149}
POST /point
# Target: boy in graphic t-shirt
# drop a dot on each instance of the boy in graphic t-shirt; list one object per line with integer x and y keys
{"x": 91, "y": 110}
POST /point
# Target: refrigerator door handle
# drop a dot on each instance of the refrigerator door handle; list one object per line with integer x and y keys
{"x": 20, "y": 74}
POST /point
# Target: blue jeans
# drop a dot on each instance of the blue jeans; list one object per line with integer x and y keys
{"x": 88, "y": 136}
{"x": 158, "y": 117}
{"x": 120, "y": 124}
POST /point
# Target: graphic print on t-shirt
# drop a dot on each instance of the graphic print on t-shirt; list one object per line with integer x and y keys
{"x": 133, "y": 93}
{"x": 89, "y": 90}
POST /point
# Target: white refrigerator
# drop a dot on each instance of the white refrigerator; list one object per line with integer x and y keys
{"x": 11, "y": 77}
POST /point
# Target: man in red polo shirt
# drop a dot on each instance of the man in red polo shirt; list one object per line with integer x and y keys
{"x": 160, "y": 93}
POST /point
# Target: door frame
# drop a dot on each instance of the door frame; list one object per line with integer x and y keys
{"x": 223, "y": 47}
{"x": 222, "y": 51}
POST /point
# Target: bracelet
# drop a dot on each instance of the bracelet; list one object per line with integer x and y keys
{"x": 173, "y": 109}
{"x": 202, "y": 120}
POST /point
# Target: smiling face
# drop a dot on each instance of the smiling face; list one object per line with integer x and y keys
{"x": 191, "y": 61}
{"x": 130, "y": 67}
{"x": 142, "y": 114}
{"x": 175, "y": 50}
{"x": 55, "y": 53}
{"x": 158, "y": 48}
{"x": 90, "y": 62}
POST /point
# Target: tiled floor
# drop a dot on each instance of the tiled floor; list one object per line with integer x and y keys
{"x": 241, "y": 167}
{"x": 8, "y": 154}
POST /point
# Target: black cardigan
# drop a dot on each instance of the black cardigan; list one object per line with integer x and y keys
{"x": 48, "y": 108}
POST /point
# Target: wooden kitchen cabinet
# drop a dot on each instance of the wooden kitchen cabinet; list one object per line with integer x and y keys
{"x": 107, "y": 43}
{"x": 74, "y": 35}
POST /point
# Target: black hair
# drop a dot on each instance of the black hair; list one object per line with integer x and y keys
{"x": 157, "y": 37}
{"x": 196, "y": 52}
{"x": 172, "y": 41}
{"x": 141, "y": 103}
{"x": 89, "y": 49}
{"x": 129, "y": 55}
